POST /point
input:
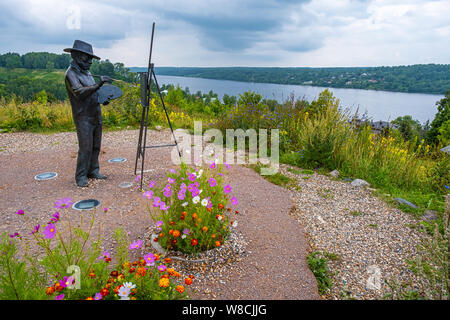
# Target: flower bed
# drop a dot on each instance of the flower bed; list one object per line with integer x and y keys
{"x": 191, "y": 210}
{"x": 74, "y": 267}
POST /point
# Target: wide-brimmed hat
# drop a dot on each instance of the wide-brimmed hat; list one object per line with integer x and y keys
{"x": 82, "y": 46}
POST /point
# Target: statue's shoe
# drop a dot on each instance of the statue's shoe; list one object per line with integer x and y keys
{"x": 96, "y": 176}
{"x": 82, "y": 182}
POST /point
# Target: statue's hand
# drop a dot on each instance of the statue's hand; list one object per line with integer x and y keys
{"x": 105, "y": 79}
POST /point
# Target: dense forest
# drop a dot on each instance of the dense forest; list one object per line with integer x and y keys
{"x": 25, "y": 76}
{"x": 421, "y": 78}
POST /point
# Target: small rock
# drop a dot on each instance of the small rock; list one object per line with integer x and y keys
{"x": 159, "y": 128}
{"x": 405, "y": 202}
{"x": 334, "y": 173}
{"x": 430, "y": 215}
{"x": 360, "y": 183}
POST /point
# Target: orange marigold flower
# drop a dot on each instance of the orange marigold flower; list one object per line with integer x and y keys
{"x": 104, "y": 292}
{"x": 91, "y": 275}
{"x": 205, "y": 229}
{"x": 184, "y": 213}
{"x": 161, "y": 235}
{"x": 58, "y": 287}
{"x": 188, "y": 281}
{"x": 156, "y": 256}
{"x": 121, "y": 277}
{"x": 194, "y": 242}
{"x": 229, "y": 209}
{"x": 171, "y": 271}
{"x": 209, "y": 209}
{"x": 171, "y": 223}
{"x": 107, "y": 260}
{"x": 167, "y": 260}
{"x": 176, "y": 274}
{"x": 217, "y": 243}
{"x": 116, "y": 289}
{"x": 163, "y": 282}
{"x": 176, "y": 233}
{"x": 165, "y": 276}
{"x": 221, "y": 206}
{"x": 141, "y": 271}
{"x": 194, "y": 216}
{"x": 114, "y": 273}
{"x": 170, "y": 231}
{"x": 213, "y": 235}
{"x": 50, "y": 290}
{"x": 180, "y": 288}
{"x": 131, "y": 270}
{"x": 89, "y": 298}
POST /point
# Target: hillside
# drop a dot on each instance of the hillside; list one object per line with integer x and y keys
{"x": 430, "y": 78}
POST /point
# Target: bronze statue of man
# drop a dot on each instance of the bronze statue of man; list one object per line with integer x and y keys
{"x": 86, "y": 111}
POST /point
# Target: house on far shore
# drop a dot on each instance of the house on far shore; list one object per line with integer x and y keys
{"x": 377, "y": 126}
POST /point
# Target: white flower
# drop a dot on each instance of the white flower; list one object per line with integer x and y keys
{"x": 200, "y": 173}
{"x": 184, "y": 204}
{"x": 124, "y": 292}
{"x": 183, "y": 236}
{"x": 196, "y": 199}
{"x": 205, "y": 202}
{"x": 219, "y": 218}
{"x": 188, "y": 151}
{"x": 200, "y": 191}
{"x": 234, "y": 224}
{"x": 129, "y": 285}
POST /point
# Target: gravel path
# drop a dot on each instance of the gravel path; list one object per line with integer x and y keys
{"x": 271, "y": 262}
{"x": 371, "y": 240}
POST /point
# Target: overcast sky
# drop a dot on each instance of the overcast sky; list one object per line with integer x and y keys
{"x": 316, "y": 33}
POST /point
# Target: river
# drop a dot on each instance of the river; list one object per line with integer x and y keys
{"x": 379, "y": 105}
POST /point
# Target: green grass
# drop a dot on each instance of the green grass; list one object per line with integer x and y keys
{"x": 277, "y": 178}
{"x": 318, "y": 264}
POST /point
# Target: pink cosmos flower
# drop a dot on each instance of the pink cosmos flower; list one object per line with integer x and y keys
{"x": 104, "y": 255}
{"x": 136, "y": 244}
{"x": 138, "y": 178}
{"x": 63, "y": 203}
{"x": 163, "y": 206}
{"x": 156, "y": 202}
{"x": 60, "y": 297}
{"x": 212, "y": 182}
{"x": 49, "y": 231}
{"x": 151, "y": 184}
{"x": 14, "y": 235}
{"x": 105, "y": 210}
{"x": 181, "y": 195}
{"x": 148, "y": 194}
{"x": 234, "y": 200}
{"x": 167, "y": 193}
{"x": 20, "y": 212}
{"x": 192, "y": 177}
{"x": 98, "y": 296}
{"x": 35, "y": 229}
{"x": 171, "y": 180}
{"x": 150, "y": 259}
{"x": 227, "y": 188}
{"x": 226, "y": 165}
{"x": 195, "y": 192}
{"x": 162, "y": 268}
{"x": 213, "y": 165}
{"x": 55, "y": 218}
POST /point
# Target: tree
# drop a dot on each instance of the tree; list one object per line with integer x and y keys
{"x": 409, "y": 127}
{"x": 441, "y": 116}
{"x": 12, "y": 60}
